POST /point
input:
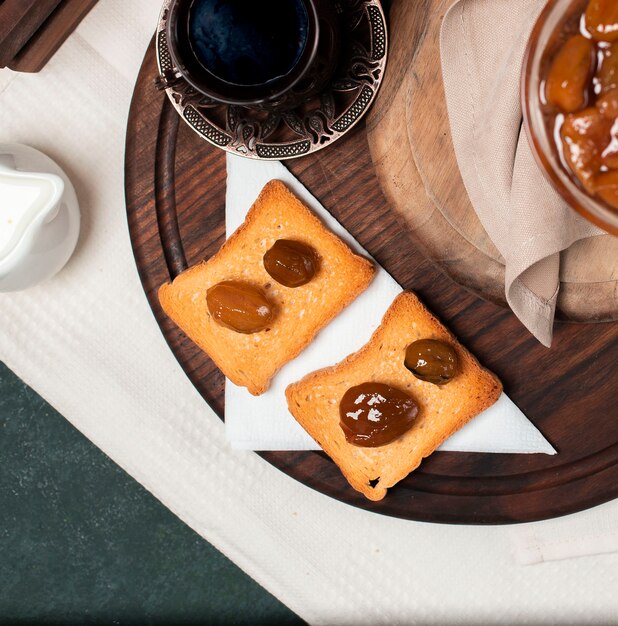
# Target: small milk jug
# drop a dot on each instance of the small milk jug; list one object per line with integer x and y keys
{"x": 39, "y": 217}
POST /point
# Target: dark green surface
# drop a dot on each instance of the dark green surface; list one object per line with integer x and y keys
{"x": 82, "y": 542}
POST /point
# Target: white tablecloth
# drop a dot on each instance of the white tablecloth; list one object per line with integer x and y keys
{"x": 89, "y": 344}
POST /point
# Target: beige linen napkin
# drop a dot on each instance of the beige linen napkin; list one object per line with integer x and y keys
{"x": 482, "y": 48}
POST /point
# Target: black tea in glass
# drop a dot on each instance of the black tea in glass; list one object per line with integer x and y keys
{"x": 241, "y": 41}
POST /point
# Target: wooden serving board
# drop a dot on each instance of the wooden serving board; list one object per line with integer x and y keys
{"x": 410, "y": 142}
{"x": 175, "y": 190}
{"x": 32, "y": 30}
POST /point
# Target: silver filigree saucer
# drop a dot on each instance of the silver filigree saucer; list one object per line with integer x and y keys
{"x": 260, "y": 134}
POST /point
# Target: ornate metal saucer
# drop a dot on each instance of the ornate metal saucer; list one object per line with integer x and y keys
{"x": 261, "y": 134}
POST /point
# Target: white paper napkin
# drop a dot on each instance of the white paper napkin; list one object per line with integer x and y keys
{"x": 264, "y": 422}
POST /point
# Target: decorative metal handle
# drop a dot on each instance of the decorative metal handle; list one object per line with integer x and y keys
{"x": 168, "y": 78}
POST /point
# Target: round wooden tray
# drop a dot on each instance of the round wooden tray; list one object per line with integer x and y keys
{"x": 175, "y": 189}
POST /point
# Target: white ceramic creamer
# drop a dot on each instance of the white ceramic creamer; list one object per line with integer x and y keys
{"x": 39, "y": 217}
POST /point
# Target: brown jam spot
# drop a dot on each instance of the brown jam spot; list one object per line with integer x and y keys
{"x": 432, "y": 360}
{"x": 239, "y": 306}
{"x": 291, "y": 263}
{"x": 374, "y": 414}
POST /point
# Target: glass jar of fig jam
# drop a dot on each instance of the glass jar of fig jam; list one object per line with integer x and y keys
{"x": 570, "y": 104}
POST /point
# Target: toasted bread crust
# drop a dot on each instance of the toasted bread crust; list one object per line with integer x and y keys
{"x": 252, "y": 360}
{"x": 314, "y": 400}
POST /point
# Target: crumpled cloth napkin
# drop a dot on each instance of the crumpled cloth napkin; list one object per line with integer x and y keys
{"x": 264, "y": 422}
{"x": 482, "y": 48}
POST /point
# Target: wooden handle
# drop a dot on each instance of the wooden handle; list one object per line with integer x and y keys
{"x": 32, "y": 30}
{"x": 19, "y": 20}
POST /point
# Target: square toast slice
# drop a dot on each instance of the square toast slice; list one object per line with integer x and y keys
{"x": 251, "y": 360}
{"x": 314, "y": 400}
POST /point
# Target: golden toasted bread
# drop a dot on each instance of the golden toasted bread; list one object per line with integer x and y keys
{"x": 314, "y": 401}
{"x": 251, "y": 360}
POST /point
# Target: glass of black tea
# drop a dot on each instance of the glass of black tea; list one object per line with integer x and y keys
{"x": 271, "y": 54}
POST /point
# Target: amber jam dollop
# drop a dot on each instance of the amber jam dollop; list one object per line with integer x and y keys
{"x": 291, "y": 263}
{"x": 239, "y": 306}
{"x": 432, "y": 360}
{"x": 374, "y": 414}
